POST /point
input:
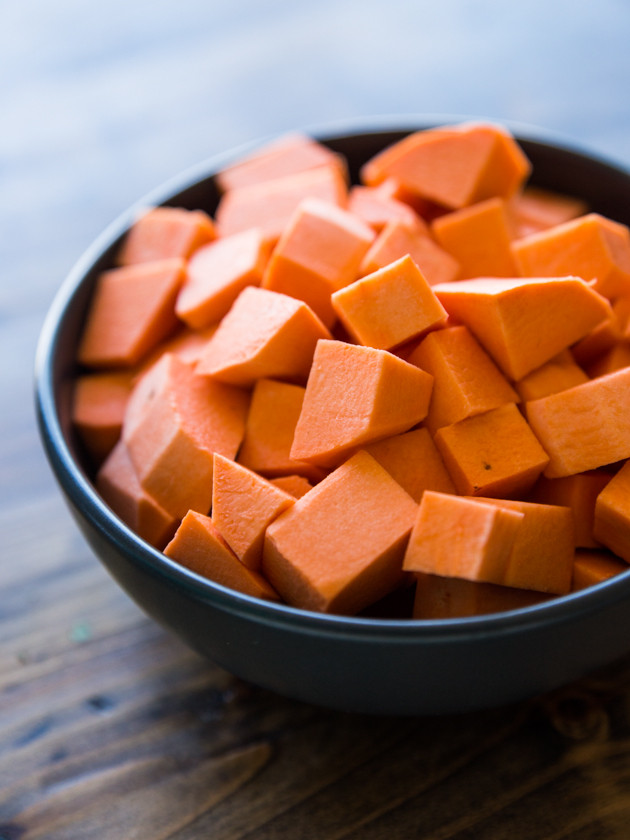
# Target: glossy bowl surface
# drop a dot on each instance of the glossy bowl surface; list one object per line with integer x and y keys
{"x": 371, "y": 665}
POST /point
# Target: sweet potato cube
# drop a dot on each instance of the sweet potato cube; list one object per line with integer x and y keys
{"x": 118, "y": 484}
{"x": 616, "y": 358}
{"x": 542, "y": 553}
{"x": 319, "y": 252}
{"x": 273, "y": 415}
{"x": 413, "y": 460}
{"x": 591, "y": 567}
{"x": 534, "y": 209}
{"x": 199, "y": 546}
{"x": 492, "y": 454}
{"x": 479, "y": 238}
{"x": 132, "y": 310}
{"x": 390, "y": 306}
{"x": 442, "y": 597}
{"x": 591, "y": 246}
{"x": 579, "y": 493}
{"x": 264, "y": 335}
{"x": 243, "y": 505}
{"x": 611, "y": 525}
{"x": 399, "y": 238}
{"x": 465, "y": 379}
{"x": 269, "y": 205}
{"x": 164, "y": 233}
{"x": 597, "y": 342}
{"x": 296, "y": 485}
{"x": 556, "y": 375}
{"x": 287, "y": 155}
{"x": 453, "y": 166}
{"x": 584, "y": 427}
{"x": 340, "y": 547}
{"x": 175, "y": 422}
{"x": 621, "y": 312}
{"x": 461, "y": 538}
{"x": 187, "y": 345}
{"x": 524, "y": 323}
{"x": 98, "y": 408}
{"x": 376, "y": 209}
{"x": 356, "y": 395}
{"x": 217, "y": 273}
{"x": 426, "y": 209}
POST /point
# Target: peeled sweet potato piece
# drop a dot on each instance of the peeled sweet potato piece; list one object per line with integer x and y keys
{"x": 199, "y": 546}
{"x": 356, "y": 395}
{"x": 264, "y": 335}
{"x": 524, "y": 323}
{"x": 175, "y": 422}
{"x": 340, "y": 547}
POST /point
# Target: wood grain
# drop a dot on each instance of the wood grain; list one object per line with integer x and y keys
{"x": 110, "y": 729}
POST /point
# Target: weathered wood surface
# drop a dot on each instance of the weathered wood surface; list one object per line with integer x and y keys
{"x": 109, "y": 727}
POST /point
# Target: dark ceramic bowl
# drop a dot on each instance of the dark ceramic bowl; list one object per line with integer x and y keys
{"x": 357, "y": 664}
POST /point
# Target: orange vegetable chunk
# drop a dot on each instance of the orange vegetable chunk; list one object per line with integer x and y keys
{"x": 390, "y": 306}
{"x": 597, "y": 342}
{"x": 118, "y": 484}
{"x": 199, "y": 546}
{"x": 296, "y": 485}
{"x": 376, "y": 208}
{"x": 592, "y": 567}
{"x": 441, "y": 597}
{"x": 243, "y": 505}
{"x": 543, "y": 550}
{"x": 579, "y": 493}
{"x": 492, "y": 454}
{"x": 217, "y": 273}
{"x": 556, "y": 375}
{"x": 616, "y": 358}
{"x": 466, "y": 380}
{"x": 621, "y": 312}
{"x": 523, "y": 323}
{"x": 584, "y": 427}
{"x": 356, "y": 395}
{"x": 611, "y": 526}
{"x": 397, "y": 239}
{"x": 453, "y": 166}
{"x": 424, "y": 208}
{"x": 98, "y": 408}
{"x": 320, "y": 251}
{"x": 340, "y": 547}
{"x": 269, "y": 205}
{"x": 175, "y": 422}
{"x": 132, "y": 310}
{"x": 187, "y": 344}
{"x": 461, "y": 538}
{"x": 479, "y": 238}
{"x": 165, "y": 233}
{"x": 273, "y": 415}
{"x": 591, "y": 246}
{"x": 413, "y": 460}
{"x": 264, "y": 335}
{"x": 534, "y": 209}
{"x": 287, "y": 155}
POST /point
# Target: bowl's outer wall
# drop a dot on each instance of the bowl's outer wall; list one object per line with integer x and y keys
{"x": 374, "y": 667}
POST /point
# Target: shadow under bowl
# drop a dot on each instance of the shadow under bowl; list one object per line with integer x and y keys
{"x": 358, "y": 664}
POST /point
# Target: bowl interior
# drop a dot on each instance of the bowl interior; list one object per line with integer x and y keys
{"x": 604, "y": 186}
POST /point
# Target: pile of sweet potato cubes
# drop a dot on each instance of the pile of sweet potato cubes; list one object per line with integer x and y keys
{"x": 328, "y": 393}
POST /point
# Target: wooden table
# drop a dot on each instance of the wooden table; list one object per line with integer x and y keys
{"x": 109, "y": 727}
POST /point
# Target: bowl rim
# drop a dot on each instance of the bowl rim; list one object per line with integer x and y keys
{"x": 82, "y": 494}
